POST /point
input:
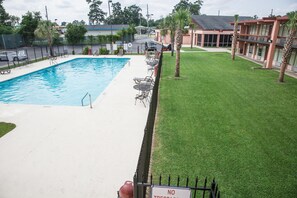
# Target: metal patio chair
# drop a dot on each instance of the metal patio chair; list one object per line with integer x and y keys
{"x": 143, "y": 96}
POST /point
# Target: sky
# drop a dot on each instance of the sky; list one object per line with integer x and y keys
{"x": 70, "y": 10}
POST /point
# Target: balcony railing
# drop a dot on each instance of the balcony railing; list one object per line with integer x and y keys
{"x": 254, "y": 38}
{"x": 282, "y": 40}
{"x": 265, "y": 40}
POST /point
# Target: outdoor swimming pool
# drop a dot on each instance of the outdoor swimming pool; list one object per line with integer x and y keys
{"x": 62, "y": 84}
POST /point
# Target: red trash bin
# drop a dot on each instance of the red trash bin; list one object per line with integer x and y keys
{"x": 126, "y": 191}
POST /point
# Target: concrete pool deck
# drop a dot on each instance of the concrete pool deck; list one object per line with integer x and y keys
{"x": 64, "y": 151}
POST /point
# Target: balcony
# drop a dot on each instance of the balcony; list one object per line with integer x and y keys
{"x": 282, "y": 40}
{"x": 254, "y": 38}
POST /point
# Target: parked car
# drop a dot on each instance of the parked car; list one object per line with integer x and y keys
{"x": 152, "y": 46}
{"x": 4, "y": 55}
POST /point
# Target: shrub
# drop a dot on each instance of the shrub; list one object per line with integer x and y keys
{"x": 86, "y": 51}
{"x": 117, "y": 50}
{"x": 104, "y": 51}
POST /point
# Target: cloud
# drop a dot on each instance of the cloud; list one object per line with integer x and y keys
{"x": 64, "y": 5}
{"x": 69, "y": 10}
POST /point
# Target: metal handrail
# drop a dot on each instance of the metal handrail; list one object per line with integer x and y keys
{"x": 90, "y": 98}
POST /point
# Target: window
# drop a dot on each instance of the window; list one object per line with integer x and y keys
{"x": 293, "y": 57}
{"x": 199, "y": 39}
{"x": 279, "y": 57}
{"x": 251, "y": 47}
{"x": 260, "y": 52}
{"x": 210, "y": 40}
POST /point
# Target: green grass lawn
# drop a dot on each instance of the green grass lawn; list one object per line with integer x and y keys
{"x": 5, "y": 128}
{"x": 194, "y": 49}
{"x": 225, "y": 120}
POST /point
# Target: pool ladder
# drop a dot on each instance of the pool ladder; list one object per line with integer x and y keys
{"x": 90, "y": 98}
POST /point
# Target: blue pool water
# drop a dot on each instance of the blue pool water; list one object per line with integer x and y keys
{"x": 62, "y": 84}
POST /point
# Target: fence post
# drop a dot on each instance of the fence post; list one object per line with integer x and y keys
{"x": 17, "y": 54}
{"x": 41, "y": 52}
{"x": 135, "y": 187}
{"x": 26, "y": 51}
{"x": 34, "y": 53}
{"x": 6, "y": 56}
{"x": 196, "y": 185}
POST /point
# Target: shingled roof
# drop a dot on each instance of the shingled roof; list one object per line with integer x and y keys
{"x": 216, "y": 22}
{"x": 105, "y": 27}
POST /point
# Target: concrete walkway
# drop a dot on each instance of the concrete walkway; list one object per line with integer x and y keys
{"x": 77, "y": 152}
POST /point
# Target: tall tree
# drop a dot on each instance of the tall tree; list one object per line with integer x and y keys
{"x": 14, "y": 20}
{"x": 96, "y": 14}
{"x": 194, "y": 8}
{"x": 5, "y": 29}
{"x": 171, "y": 24}
{"x": 117, "y": 13}
{"x": 75, "y": 33}
{"x": 122, "y": 34}
{"x": 192, "y": 26}
{"x": 131, "y": 14}
{"x": 4, "y": 16}
{"x": 163, "y": 29}
{"x": 234, "y": 39}
{"x": 287, "y": 51}
{"x": 5, "y": 21}
{"x": 28, "y": 25}
{"x": 182, "y": 17}
{"x": 131, "y": 31}
{"x": 46, "y": 30}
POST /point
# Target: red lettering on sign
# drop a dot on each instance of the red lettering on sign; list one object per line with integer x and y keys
{"x": 171, "y": 192}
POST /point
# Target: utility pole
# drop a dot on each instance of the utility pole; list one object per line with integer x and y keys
{"x": 111, "y": 47}
{"x": 148, "y": 17}
{"x": 46, "y": 15}
{"x": 271, "y": 14}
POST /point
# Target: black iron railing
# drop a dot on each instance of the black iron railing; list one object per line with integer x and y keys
{"x": 142, "y": 169}
{"x": 141, "y": 178}
{"x": 198, "y": 187}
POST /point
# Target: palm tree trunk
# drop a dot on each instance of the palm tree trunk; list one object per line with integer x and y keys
{"x": 172, "y": 45}
{"x": 178, "y": 47}
{"x": 234, "y": 43}
{"x": 286, "y": 55}
{"x": 234, "y": 40}
{"x": 177, "y": 66}
{"x": 192, "y": 37}
{"x": 172, "y": 48}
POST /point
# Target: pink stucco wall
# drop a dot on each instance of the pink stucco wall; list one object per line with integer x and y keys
{"x": 166, "y": 39}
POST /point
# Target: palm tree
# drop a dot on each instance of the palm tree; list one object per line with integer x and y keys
{"x": 163, "y": 29}
{"x": 120, "y": 34}
{"x": 131, "y": 31}
{"x": 292, "y": 26}
{"x": 234, "y": 40}
{"x": 172, "y": 25}
{"x": 192, "y": 26}
{"x": 182, "y": 17}
{"x": 46, "y": 30}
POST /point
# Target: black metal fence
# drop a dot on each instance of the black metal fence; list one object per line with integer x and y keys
{"x": 198, "y": 187}
{"x": 141, "y": 178}
{"x": 37, "y": 53}
{"x": 142, "y": 169}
